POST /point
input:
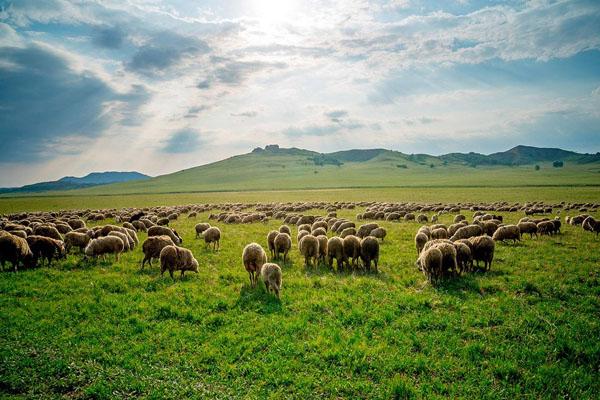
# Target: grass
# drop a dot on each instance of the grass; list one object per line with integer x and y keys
{"x": 528, "y": 329}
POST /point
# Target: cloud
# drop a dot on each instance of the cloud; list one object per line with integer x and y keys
{"x": 109, "y": 37}
{"x": 43, "y": 100}
{"x": 183, "y": 141}
{"x": 247, "y": 114}
{"x": 193, "y": 112}
{"x": 336, "y": 115}
{"x": 235, "y": 73}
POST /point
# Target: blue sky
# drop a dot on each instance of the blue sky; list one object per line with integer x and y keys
{"x": 161, "y": 85}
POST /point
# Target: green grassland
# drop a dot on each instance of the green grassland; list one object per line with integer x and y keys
{"x": 530, "y": 328}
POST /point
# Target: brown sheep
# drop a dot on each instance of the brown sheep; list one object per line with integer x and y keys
{"x": 253, "y": 258}
{"x": 369, "y": 251}
{"x": 319, "y": 231}
{"x": 48, "y": 231}
{"x": 282, "y": 244}
{"x": 271, "y": 275}
{"x": 482, "y": 249}
{"x": 309, "y": 248}
{"x": 466, "y": 232}
{"x": 153, "y": 246}
{"x": 285, "y": 229}
{"x": 507, "y": 232}
{"x": 464, "y": 259}
{"x": 105, "y": 245}
{"x": 213, "y": 235}
{"x": 322, "y": 248}
{"x": 271, "y": 242}
{"x": 528, "y": 227}
{"x": 124, "y": 238}
{"x": 175, "y": 258}
{"x": 365, "y": 230}
{"x": 15, "y": 250}
{"x": 439, "y": 233}
{"x": 335, "y": 249}
{"x": 200, "y": 228}
{"x": 430, "y": 262}
{"x": 351, "y": 249}
{"x": 348, "y": 231}
{"x": 43, "y": 247}
{"x": 379, "y": 233}
{"x": 164, "y": 230}
{"x": 420, "y": 240}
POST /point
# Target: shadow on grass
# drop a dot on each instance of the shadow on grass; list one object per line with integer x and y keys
{"x": 258, "y": 300}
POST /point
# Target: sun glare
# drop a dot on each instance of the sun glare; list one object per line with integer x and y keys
{"x": 273, "y": 11}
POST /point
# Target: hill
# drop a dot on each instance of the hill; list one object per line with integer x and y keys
{"x": 71, "y": 182}
{"x": 275, "y": 168}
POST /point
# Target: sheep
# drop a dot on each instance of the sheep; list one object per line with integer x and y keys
{"x": 271, "y": 275}
{"x": 482, "y": 249}
{"x": 76, "y": 223}
{"x": 48, "y": 231}
{"x": 489, "y": 227}
{"x": 153, "y": 246}
{"x": 253, "y": 258}
{"x": 458, "y": 218}
{"x": 545, "y": 228}
{"x": 430, "y": 262}
{"x": 105, "y": 245}
{"x": 271, "y": 242}
{"x": 318, "y": 232}
{"x": 449, "y": 264}
{"x": 439, "y": 233}
{"x": 200, "y": 228}
{"x": 348, "y": 231}
{"x": 409, "y": 217}
{"x": 285, "y": 229}
{"x": 507, "y": 232}
{"x": 454, "y": 227}
{"x": 335, "y": 249}
{"x": 133, "y": 236}
{"x": 301, "y": 234}
{"x": 351, "y": 249}
{"x": 43, "y": 247}
{"x": 163, "y": 221}
{"x": 422, "y": 218}
{"x": 379, "y": 233}
{"x": 466, "y": 232}
{"x": 426, "y": 231}
{"x": 213, "y": 235}
{"x": 343, "y": 225}
{"x": 282, "y": 244}
{"x": 139, "y": 226}
{"x": 304, "y": 227}
{"x": 322, "y": 247}
{"x": 63, "y": 228}
{"x": 365, "y": 229}
{"x": 434, "y": 218}
{"x": 15, "y": 250}
{"x": 124, "y": 238}
{"x": 164, "y": 230}
{"x": 175, "y": 258}
{"x": 528, "y": 227}
{"x": 369, "y": 251}
{"x": 464, "y": 259}
{"x": 420, "y": 240}
{"x": 319, "y": 224}
{"x": 129, "y": 225}
{"x": 309, "y": 248}
{"x": 19, "y": 233}
{"x": 591, "y": 225}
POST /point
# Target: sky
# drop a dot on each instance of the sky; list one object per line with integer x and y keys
{"x": 158, "y": 86}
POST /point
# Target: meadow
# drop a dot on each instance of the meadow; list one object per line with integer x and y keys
{"x": 529, "y": 328}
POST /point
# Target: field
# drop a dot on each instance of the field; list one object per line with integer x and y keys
{"x": 530, "y": 328}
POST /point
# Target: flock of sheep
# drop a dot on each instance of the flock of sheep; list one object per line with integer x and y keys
{"x": 29, "y": 239}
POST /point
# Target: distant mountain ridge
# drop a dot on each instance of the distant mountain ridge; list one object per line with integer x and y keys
{"x": 72, "y": 182}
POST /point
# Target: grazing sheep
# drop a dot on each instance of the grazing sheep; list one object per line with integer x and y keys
{"x": 43, "y": 247}
{"x": 271, "y": 242}
{"x": 466, "y": 232}
{"x": 105, "y": 245}
{"x": 409, "y": 217}
{"x": 139, "y": 226}
{"x": 63, "y": 228}
{"x": 507, "y": 232}
{"x": 422, "y": 218}
{"x": 351, "y": 249}
{"x": 133, "y": 236}
{"x": 282, "y": 244}
{"x": 369, "y": 251}
{"x": 545, "y": 228}
{"x": 434, "y": 218}
{"x": 365, "y": 229}
{"x": 304, "y": 227}
{"x": 343, "y": 225}
{"x": 213, "y": 235}
{"x": 48, "y": 231}
{"x": 482, "y": 249}
{"x": 253, "y": 258}
{"x": 464, "y": 259}
{"x": 163, "y": 221}
{"x": 271, "y": 275}
{"x": 200, "y": 228}
{"x": 19, "y": 233}
{"x": 318, "y": 232}
{"x": 426, "y": 231}
{"x": 319, "y": 224}
{"x": 322, "y": 248}
{"x": 335, "y": 249}
{"x": 439, "y": 233}
{"x": 379, "y": 233}
{"x": 459, "y": 218}
{"x": 489, "y": 227}
{"x": 165, "y": 230}
{"x": 528, "y": 227}
{"x": 301, "y": 234}
{"x": 454, "y": 227}
{"x": 449, "y": 264}
{"x": 348, "y": 231}
{"x": 124, "y": 238}
{"x": 430, "y": 262}
{"x": 153, "y": 246}
{"x": 285, "y": 229}
{"x": 129, "y": 225}
{"x": 15, "y": 250}
{"x": 76, "y": 239}
{"x": 420, "y": 240}
{"x": 309, "y": 248}
{"x": 175, "y": 258}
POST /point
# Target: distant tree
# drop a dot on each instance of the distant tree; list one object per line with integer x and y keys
{"x": 402, "y": 166}
{"x": 431, "y": 165}
{"x": 558, "y": 164}
{"x": 537, "y": 167}
{"x": 445, "y": 163}
{"x": 316, "y": 172}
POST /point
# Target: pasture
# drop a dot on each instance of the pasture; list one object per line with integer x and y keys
{"x": 529, "y": 328}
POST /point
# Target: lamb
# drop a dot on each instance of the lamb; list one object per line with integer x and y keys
{"x": 164, "y": 230}
{"x": 153, "y": 246}
{"x": 285, "y": 229}
{"x": 335, "y": 249}
{"x": 430, "y": 262}
{"x": 200, "y": 228}
{"x": 253, "y": 258}
{"x": 351, "y": 249}
{"x": 507, "y": 232}
{"x": 322, "y": 247}
{"x": 282, "y": 244}
{"x": 105, "y": 245}
{"x": 124, "y": 238}
{"x": 369, "y": 251}
{"x": 365, "y": 229}
{"x": 439, "y": 233}
{"x": 482, "y": 249}
{"x": 348, "y": 231}
{"x": 15, "y": 250}
{"x": 420, "y": 240}
{"x": 271, "y": 242}
{"x": 213, "y": 235}
{"x": 309, "y": 248}
{"x": 466, "y": 232}
{"x": 175, "y": 258}
{"x": 43, "y": 247}
{"x": 271, "y": 275}
{"x": 379, "y": 233}
{"x": 528, "y": 227}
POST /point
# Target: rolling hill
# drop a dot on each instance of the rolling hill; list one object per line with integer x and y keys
{"x": 71, "y": 182}
{"x": 275, "y": 168}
